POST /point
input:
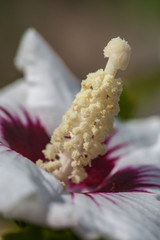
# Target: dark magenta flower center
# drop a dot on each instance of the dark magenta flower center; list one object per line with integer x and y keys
{"x": 28, "y": 137}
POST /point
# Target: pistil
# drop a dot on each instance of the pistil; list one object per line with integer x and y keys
{"x": 79, "y": 138}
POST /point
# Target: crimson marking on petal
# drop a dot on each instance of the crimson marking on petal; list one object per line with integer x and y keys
{"x": 92, "y": 198}
{"x": 104, "y": 195}
{"x": 26, "y": 137}
{"x": 132, "y": 179}
{"x": 72, "y": 197}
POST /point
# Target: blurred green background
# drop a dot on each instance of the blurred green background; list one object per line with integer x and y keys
{"x": 79, "y": 30}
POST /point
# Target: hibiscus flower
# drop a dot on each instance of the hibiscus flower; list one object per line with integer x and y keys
{"x": 119, "y": 198}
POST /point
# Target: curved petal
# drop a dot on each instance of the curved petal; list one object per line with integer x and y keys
{"x": 146, "y": 155}
{"x": 51, "y": 86}
{"x": 121, "y": 216}
{"x": 14, "y": 94}
{"x": 139, "y": 133}
{"x": 26, "y": 190}
{"x": 134, "y": 170}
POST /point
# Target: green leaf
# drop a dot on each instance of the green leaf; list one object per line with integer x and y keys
{"x": 140, "y": 97}
{"x": 35, "y": 232}
{"x": 32, "y": 232}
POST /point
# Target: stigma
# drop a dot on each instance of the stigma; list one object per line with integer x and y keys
{"x": 80, "y": 137}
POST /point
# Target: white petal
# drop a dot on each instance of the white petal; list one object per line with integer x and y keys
{"x": 26, "y": 190}
{"x": 144, "y": 156}
{"x": 14, "y": 94}
{"x": 51, "y": 86}
{"x": 139, "y": 133}
{"x": 121, "y": 216}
